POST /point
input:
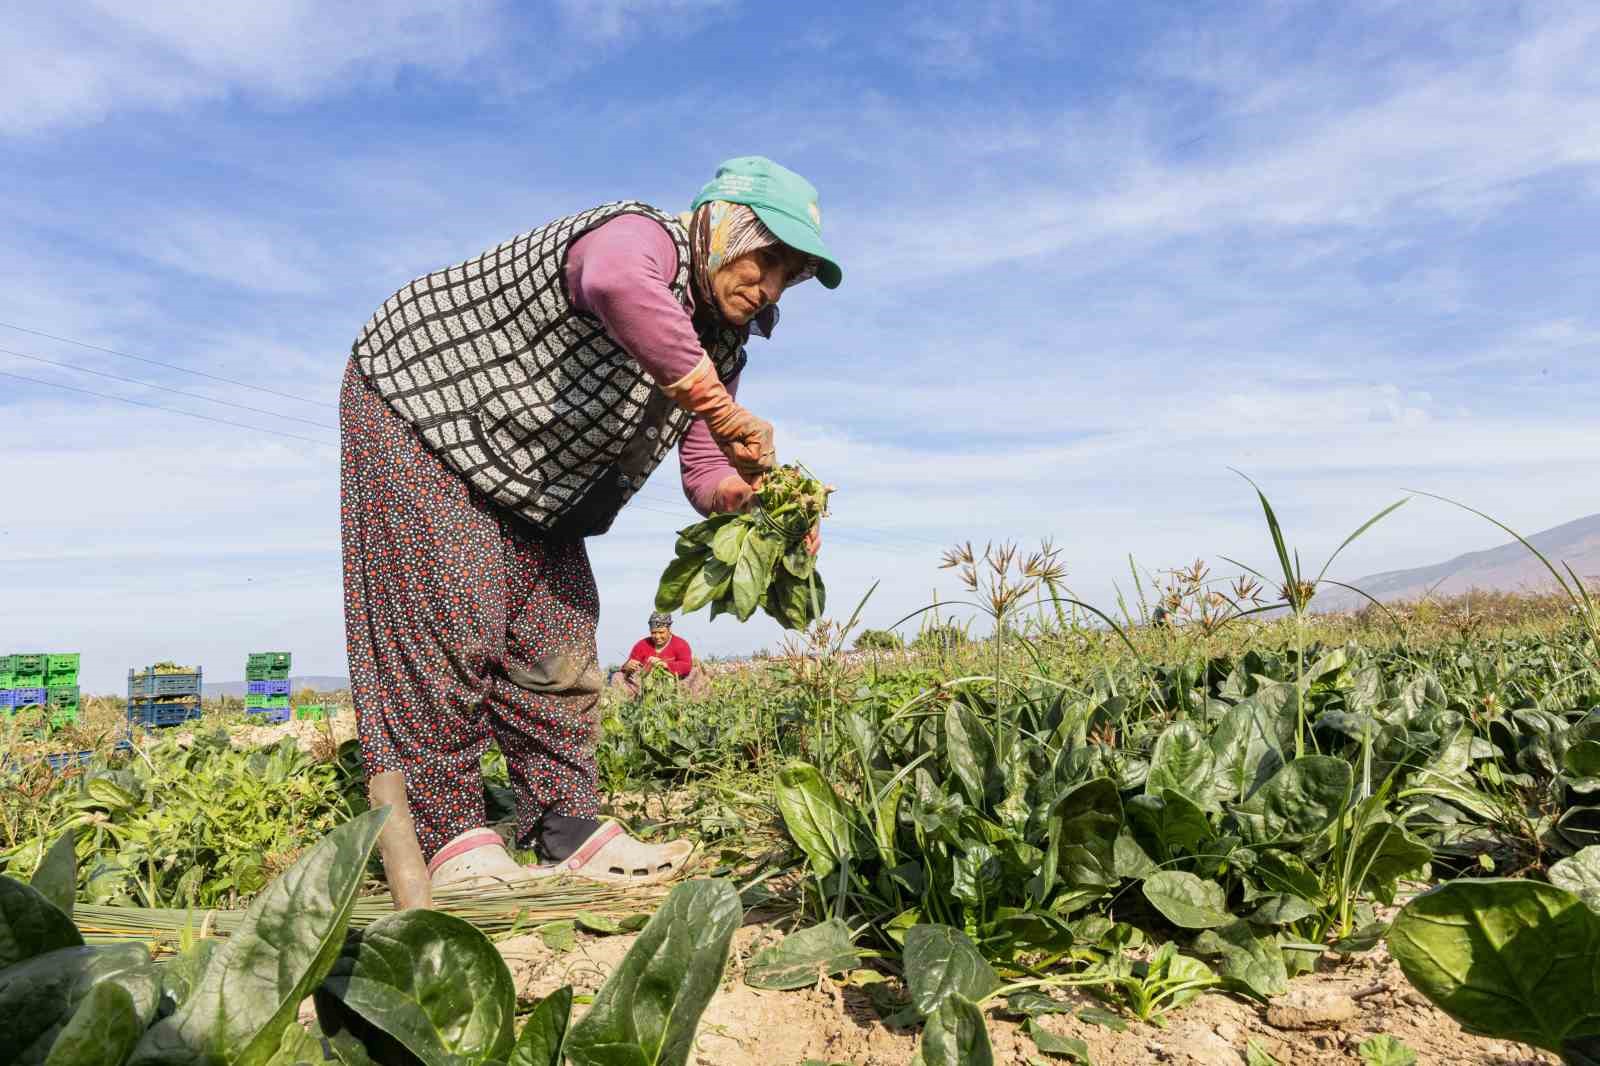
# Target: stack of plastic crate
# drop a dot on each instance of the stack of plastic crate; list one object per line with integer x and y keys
{"x": 26, "y": 688}
{"x": 163, "y": 696}
{"x": 267, "y": 685}
{"x": 61, "y": 687}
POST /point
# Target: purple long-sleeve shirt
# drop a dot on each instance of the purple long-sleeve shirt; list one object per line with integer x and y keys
{"x": 621, "y": 272}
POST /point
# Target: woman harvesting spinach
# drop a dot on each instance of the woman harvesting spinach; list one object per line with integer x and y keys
{"x": 495, "y": 414}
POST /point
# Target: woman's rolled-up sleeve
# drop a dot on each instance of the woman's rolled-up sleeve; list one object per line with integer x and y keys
{"x": 701, "y": 463}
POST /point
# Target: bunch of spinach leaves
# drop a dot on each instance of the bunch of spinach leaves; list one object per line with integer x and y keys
{"x": 737, "y": 563}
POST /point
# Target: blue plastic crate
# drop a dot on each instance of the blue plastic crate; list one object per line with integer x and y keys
{"x": 267, "y": 688}
{"x": 270, "y": 716}
{"x": 6, "y": 698}
{"x": 66, "y": 760}
{"x": 146, "y": 685}
{"x": 29, "y": 697}
{"x": 159, "y": 715}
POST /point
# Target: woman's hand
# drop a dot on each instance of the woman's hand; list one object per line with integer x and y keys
{"x": 744, "y": 439}
{"x": 814, "y": 538}
{"x": 734, "y": 495}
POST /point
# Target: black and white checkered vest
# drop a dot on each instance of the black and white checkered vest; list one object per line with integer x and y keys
{"x": 531, "y": 401}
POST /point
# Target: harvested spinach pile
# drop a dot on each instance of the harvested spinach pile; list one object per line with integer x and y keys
{"x": 739, "y": 562}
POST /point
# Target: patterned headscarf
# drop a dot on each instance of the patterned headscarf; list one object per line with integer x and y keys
{"x": 720, "y": 232}
{"x": 659, "y": 620}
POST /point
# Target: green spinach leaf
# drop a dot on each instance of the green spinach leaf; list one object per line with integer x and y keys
{"x": 815, "y": 817}
{"x": 647, "y": 1012}
{"x": 431, "y": 981}
{"x": 1516, "y": 960}
{"x": 956, "y": 1035}
{"x": 102, "y": 1031}
{"x": 796, "y": 961}
{"x": 940, "y": 962}
{"x": 30, "y": 925}
{"x": 56, "y": 879}
{"x": 253, "y": 985}
{"x": 544, "y": 1037}
{"x": 1187, "y": 901}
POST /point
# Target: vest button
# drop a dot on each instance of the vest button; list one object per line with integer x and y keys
{"x": 624, "y": 481}
{"x": 652, "y": 432}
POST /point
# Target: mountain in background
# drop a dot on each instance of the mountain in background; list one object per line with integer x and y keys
{"x": 237, "y": 688}
{"x": 1508, "y": 568}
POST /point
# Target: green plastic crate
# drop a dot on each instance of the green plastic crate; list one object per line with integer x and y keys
{"x": 31, "y": 662}
{"x": 22, "y": 680}
{"x": 63, "y": 695}
{"x": 5, "y": 678}
{"x": 313, "y": 712}
{"x": 270, "y": 660}
{"x": 65, "y": 662}
{"x": 265, "y": 703}
{"x": 266, "y": 673}
{"x": 64, "y": 715}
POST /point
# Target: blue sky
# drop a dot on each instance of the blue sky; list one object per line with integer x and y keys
{"x": 1095, "y": 254}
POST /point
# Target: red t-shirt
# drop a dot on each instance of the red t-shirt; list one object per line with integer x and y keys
{"x": 677, "y": 656}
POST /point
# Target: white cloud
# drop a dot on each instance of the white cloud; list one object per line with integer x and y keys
{"x": 1456, "y": 142}
{"x": 84, "y": 60}
{"x": 75, "y": 62}
{"x": 959, "y": 40}
{"x": 615, "y": 20}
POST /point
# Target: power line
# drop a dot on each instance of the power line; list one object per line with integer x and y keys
{"x": 170, "y": 410}
{"x": 164, "y": 388}
{"x": 169, "y": 366}
{"x": 848, "y": 534}
{"x": 680, "y": 515}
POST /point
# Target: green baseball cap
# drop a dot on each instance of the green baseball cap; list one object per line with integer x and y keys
{"x": 782, "y": 199}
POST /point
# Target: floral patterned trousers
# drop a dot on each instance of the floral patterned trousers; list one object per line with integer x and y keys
{"x": 464, "y": 624}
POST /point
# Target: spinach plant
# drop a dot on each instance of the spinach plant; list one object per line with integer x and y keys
{"x": 416, "y": 986}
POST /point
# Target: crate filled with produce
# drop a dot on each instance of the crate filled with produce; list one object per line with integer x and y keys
{"x": 162, "y": 695}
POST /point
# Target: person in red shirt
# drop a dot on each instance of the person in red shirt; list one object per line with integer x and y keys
{"x": 662, "y": 648}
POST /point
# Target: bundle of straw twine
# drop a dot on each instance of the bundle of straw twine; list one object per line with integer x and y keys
{"x": 496, "y": 910}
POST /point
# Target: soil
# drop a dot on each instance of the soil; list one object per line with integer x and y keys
{"x": 311, "y": 737}
{"x": 1319, "y": 1022}
{"x": 307, "y": 734}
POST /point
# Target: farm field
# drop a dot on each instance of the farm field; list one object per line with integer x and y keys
{"x": 1206, "y": 838}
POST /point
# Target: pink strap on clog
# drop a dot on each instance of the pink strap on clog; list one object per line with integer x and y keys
{"x": 471, "y": 842}
{"x": 591, "y": 847}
